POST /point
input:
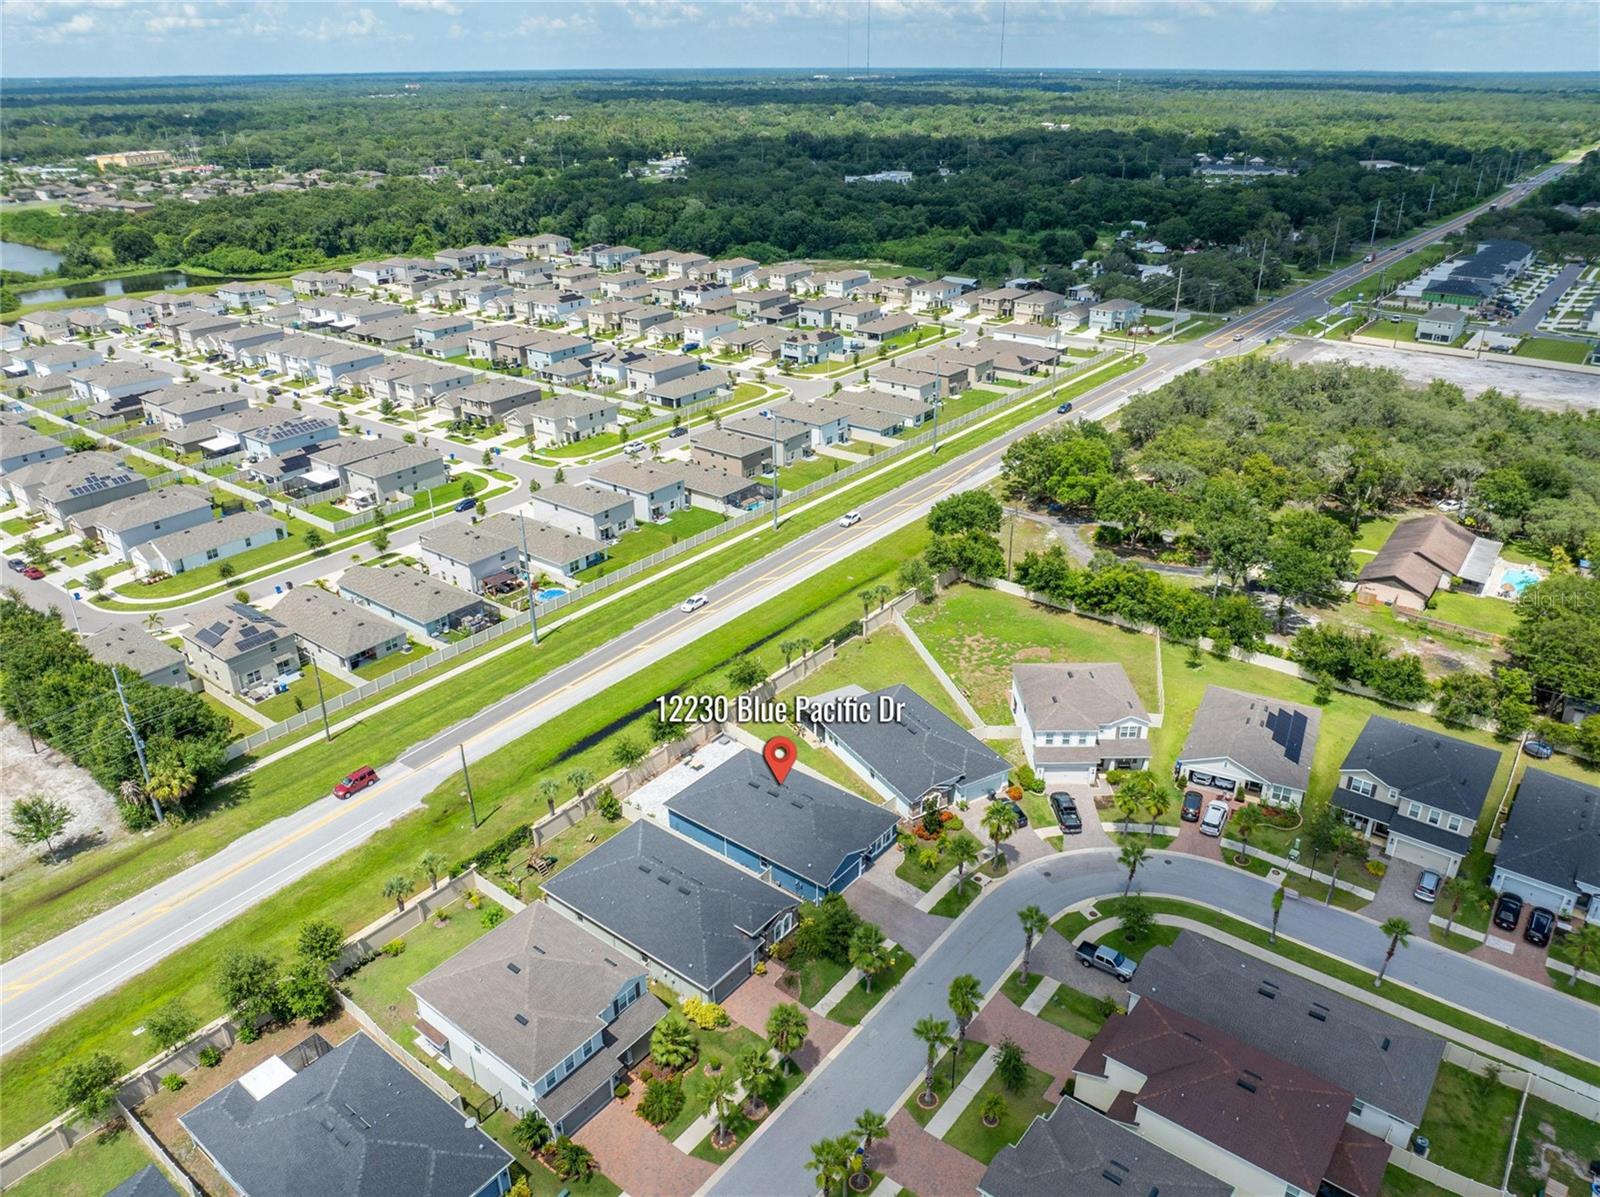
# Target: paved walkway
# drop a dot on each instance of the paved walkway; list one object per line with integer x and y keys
{"x": 900, "y": 919}
{"x": 636, "y": 1156}
{"x": 1050, "y": 1049}
{"x": 917, "y": 1161}
{"x": 950, "y": 1109}
{"x": 1042, "y": 993}
{"x": 750, "y": 1004}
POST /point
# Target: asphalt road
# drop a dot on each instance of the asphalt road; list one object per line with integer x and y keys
{"x": 885, "y": 1057}
{"x": 44, "y": 985}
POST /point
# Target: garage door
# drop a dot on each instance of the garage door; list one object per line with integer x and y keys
{"x": 1215, "y": 781}
{"x": 1066, "y": 775}
{"x": 1420, "y": 854}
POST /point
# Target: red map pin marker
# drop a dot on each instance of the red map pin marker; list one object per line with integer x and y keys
{"x": 779, "y": 753}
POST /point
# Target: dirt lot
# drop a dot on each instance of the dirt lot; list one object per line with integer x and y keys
{"x": 22, "y": 772}
{"x": 1550, "y": 390}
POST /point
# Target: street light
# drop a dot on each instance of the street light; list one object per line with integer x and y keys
{"x": 772, "y": 413}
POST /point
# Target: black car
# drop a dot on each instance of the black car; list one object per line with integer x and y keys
{"x": 1022, "y": 815}
{"x": 1193, "y": 800}
{"x": 680, "y": 430}
{"x": 1067, "y": 816}
{"x": 1540, "y": 923}
{"x": 1508, "y": 912}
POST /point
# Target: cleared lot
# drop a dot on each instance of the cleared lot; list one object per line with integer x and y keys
{"x": 1550, "y": 390}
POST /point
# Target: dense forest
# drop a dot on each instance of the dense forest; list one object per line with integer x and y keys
{"x": 1016, "y": 175}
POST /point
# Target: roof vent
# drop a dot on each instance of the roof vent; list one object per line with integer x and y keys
{"x": 522, "y": 1019}
{"x": 1246, "y": 1085}
{"x": 1191, "y": 1035}
{"x": 1268, "y": 991}
{"x": 610, "y": 961}
{"x": 1319, "y": 1015}
{"x": 512, "y": 967}
{"x": 1114, "y": 1177}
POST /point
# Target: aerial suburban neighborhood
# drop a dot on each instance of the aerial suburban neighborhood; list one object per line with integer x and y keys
{"x": 965, "y": 600}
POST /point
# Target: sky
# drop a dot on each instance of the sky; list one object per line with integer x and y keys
{"x": 223, "y": 37}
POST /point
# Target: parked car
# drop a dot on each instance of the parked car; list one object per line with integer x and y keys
{"x": 849, "y": 519}
{"x": 274, "y": 390}
{"x": 466, "y": 504}
{"x": 693, "y": 603}
{"x": 33, "y": 573}
{"x": 1022, "y": 815}
{"x": 1193, "y": 800}
{"x": 16, "y": 565}
{"x": 1538, "y": 749}
{"x": 633, "y": 447}
{"x": 357, "y": 781}
{"x": 1107, "y": 960}
{"x": 1540, "y": 923}
{"x": 1238, "y": 336}
{"x": 1216, "y": 815}
{"x": 1427, "y": 886}
{"x": 1064, "y": 409}
{"x": 680, "y": 430}
{"x": 1448, "y": 505}
{"x": 1508, "y": 912}
{"x": 1067, "y": 816}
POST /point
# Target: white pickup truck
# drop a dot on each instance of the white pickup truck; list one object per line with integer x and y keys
{"x": 1107, "y": 960}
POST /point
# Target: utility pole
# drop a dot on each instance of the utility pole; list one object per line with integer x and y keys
{"x": 527, "y": 573}
{"x": 1176, "y": 295}
{"x": 1402, "y": 214}
{"x": 1011, "y": 539}
{"x": 1261, "y": 272}
{"x": 776, "y": 486}
{"x": 1429, "y": 211}
{"x": 1333, "y": 251}
{"x": 1373, "y": 240}
{"x": 1213, "y": 285}
{"x": 138, "y": 743}
{"x": 467, "y": 778}
{"x": 1479, "y": 187}
{"x": 327, "y": 734}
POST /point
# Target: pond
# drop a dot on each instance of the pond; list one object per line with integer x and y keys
{"x": 160, "y": 280}
{"x": 27, "y": 259}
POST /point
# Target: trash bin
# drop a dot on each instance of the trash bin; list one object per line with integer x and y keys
{"x": 1420, "y": 1145}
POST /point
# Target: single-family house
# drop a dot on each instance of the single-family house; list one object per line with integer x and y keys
{"x": 1079, "y": 719}
{"x": 827, "y": 422}
{"x": 404, "y": 469}
{"x": 1550, "y": 847}
{"x": 1418, "y": 791}
{"x": 720, "y": 490}
{"x": 656, "y": 491}
{"x": 907, "y": 383}
{"x": 422, "y": 605}
{"x": 840, "y": 284}
{"x": 334, "y": 633}
{"x": 287, "y": 433}
{"x": 541, "y": 1014}
{"x": 487, "y": 401}
{"x": 934, "y": 293}
{"x": 205, "y": 543}
{"x": 658, "y": 368}
{"x": 542, "y": 245}
{"x": 693, "y": 920}
{"x": 62, "y": 487}
{"x": 23, "y": 446}
{"x": 1038, "y": 307}
{"x": 1250, "y": 746}
{"x": 57, "y": 359}
{"x": 564, "y": 419}
{"x": 129, "y": 312}
{"x": 598, "y": 513}
{"x": 182, "y": 404}
{"x": 807, "y": 835}
{"x": 688, "y": 388}
{"x": 1424, "y": 555}
{"x": 338, "y": 1125}
{"x": 810, "y": 346}
{"x": 1441, "y": 325}
{"x": 905, "y": 748}
{"x": 783, "y": 276}
{"x": 140, "y": 653}
{"x": 438, "y": 383}
{"x": 122, "y": 527}
{"x": 236, "y": 647}
{"x": 736, "y": 453}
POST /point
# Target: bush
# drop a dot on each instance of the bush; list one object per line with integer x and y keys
{"x": 170, "y": 1025}
{"x": 493, "y": 916}
{"x": 135, "y": 816}
{"x": 784, "y": 949}
{"x": 661, "y": 1103}
{"x": 1377, "y": 867}
{"x": 395, "y": 947}
{"x": 1029, "y": 780}
{"x": 172, "y": 1082}
{"x": 621, "y": 1091}
{"x": 211, "y": 1055}
{"x": 705, "y": 1015}
{"x": 498, "y": 851}
{"x": 609, "y": 805}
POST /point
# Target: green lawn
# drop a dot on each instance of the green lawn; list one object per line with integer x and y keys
{"x": 740, "y": 1126}
{"x": 211, "y": 575}
{"x": 42, "y": 902}
{"x": 241, "y": 723}
{"x": 1386, "y": 329}
{"x": 652, "y": 538}
{"x": 808, "y": 470}
{"x": 92, "y": 1167}
{"x": 886, "y": 658}
{"x": 1398, "y": 1183}
{"x": 912, "y": 869}
{"x": 19, "y": 525}
{"x": 721, "y": 1047}
{"x": 817, "y": 979}
{"x": 1469, "y": 1124}
{"x": 1550, "y": 1134}
{"x": 1018, "y": 990}
{"x": 300, "y": 696}
{"x": 1031, "y": 1100}
{"x": 1074, "y": 1011}
{"x": 977, "y": 635}
{"x": 855, "y": 1005}
{"x": 383, "y": 665}
{"x": 1475, "y": 611}
{"x": 1550, "y": 349}
{"x": 971, "y": 1051}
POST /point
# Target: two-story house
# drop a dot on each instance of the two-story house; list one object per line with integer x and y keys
{"x": 1417, "y": 791}
{"x": 1078, "y": 719}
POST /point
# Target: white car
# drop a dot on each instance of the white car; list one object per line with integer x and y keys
{"x": 1216, "y": 815}
{"x": 849, "y": 519}
{"x": 693, "y": 603}
{"x": 1448, "y": 504}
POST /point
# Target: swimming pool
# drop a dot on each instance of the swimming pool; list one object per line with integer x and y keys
{"x": 548, "y": 593}
{"x": 1520, "y": 578}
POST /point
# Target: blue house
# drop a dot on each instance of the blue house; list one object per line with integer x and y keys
{"x": 806, "y": 836}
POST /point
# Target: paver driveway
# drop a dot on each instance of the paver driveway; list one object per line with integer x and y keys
{"x": 915, "y": 1160}
{"x": 637, "y": 1156}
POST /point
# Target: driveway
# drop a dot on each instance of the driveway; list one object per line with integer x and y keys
{"x": 1055, "y": 958}
{"x": 919, "y": 1163}
{"x": 882, "y": 898}
{"x": 1049, "y": 1048}
{"x": 637, "y": 1156}
{"x": 750, "y": 1004}
{"x": 1394, "y": 898}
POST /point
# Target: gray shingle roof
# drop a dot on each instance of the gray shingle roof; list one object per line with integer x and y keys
{"x": 1078, "y": 1150}
{"x": 150, "y": 506}
{"x": 355, "y": 1123}
{"x": 213, "y": 534}
{"x": 1076, "y": 696}
{"x": 806, "y": 825}
{"x": 543, "y": 966}
{"x": 676, "y": 903}
{"x": 132, "y": 649}
{"x": 149, "y": 1181}
{"x": 1383, "y": 1060}
{"x": 923, "y": 749}
{"x": 1426, "y": 766}
{"x": 227, "y": 630}
{"x": 1553, "y": 834}
{"x": 408, "y": 592}
{"x": 331, "y": 623}
{"x": 591, "y": 500}
{"x": 1272, "y": 738}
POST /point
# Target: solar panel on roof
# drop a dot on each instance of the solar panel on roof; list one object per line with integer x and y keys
{"x": 1289, "y": 731}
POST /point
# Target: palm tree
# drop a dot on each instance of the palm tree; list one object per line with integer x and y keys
{"x": 1246, "y": 825}
{"x": 1346, "y": 842}
{"x": 1585, "y": 946}
{"x": 579, "y": 780}
{"x": 786, "y": 1028}
{"x": 1461, "y": 894}
{"x": 830, "y": 1162}
{"x": 757, "y": 1075}
{"x": 573, "y": 1160}
{"x": 870, "y": 1127}
{"x": 1399, "y": 932}
{"x": 1277, "y": 911}
{"x": 1035, "y": 922}
{"x": 935, "y": 1032}
{"x": 154, "y": 622}
{"x": 866, "y": 609}
{"x": 433, "y": 863}
{"x": 1158, "y": 802}
{"x": 719, "y": 1094}
{"x": 532, "y": 1133}
{"x": 965, "y": 998}
{"x": 1133, "y": 855}
{"x": 1000, "y": 820}
{"x": 672, "y": 1043}
{"x": 1129, "y": 799}
{"x": 548, "y": 789}
{"x": 867, "y": 951}
{"x": 883, "y": 594}
{"x": 962, "y": 849}
{"x": 397, "y": 887}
